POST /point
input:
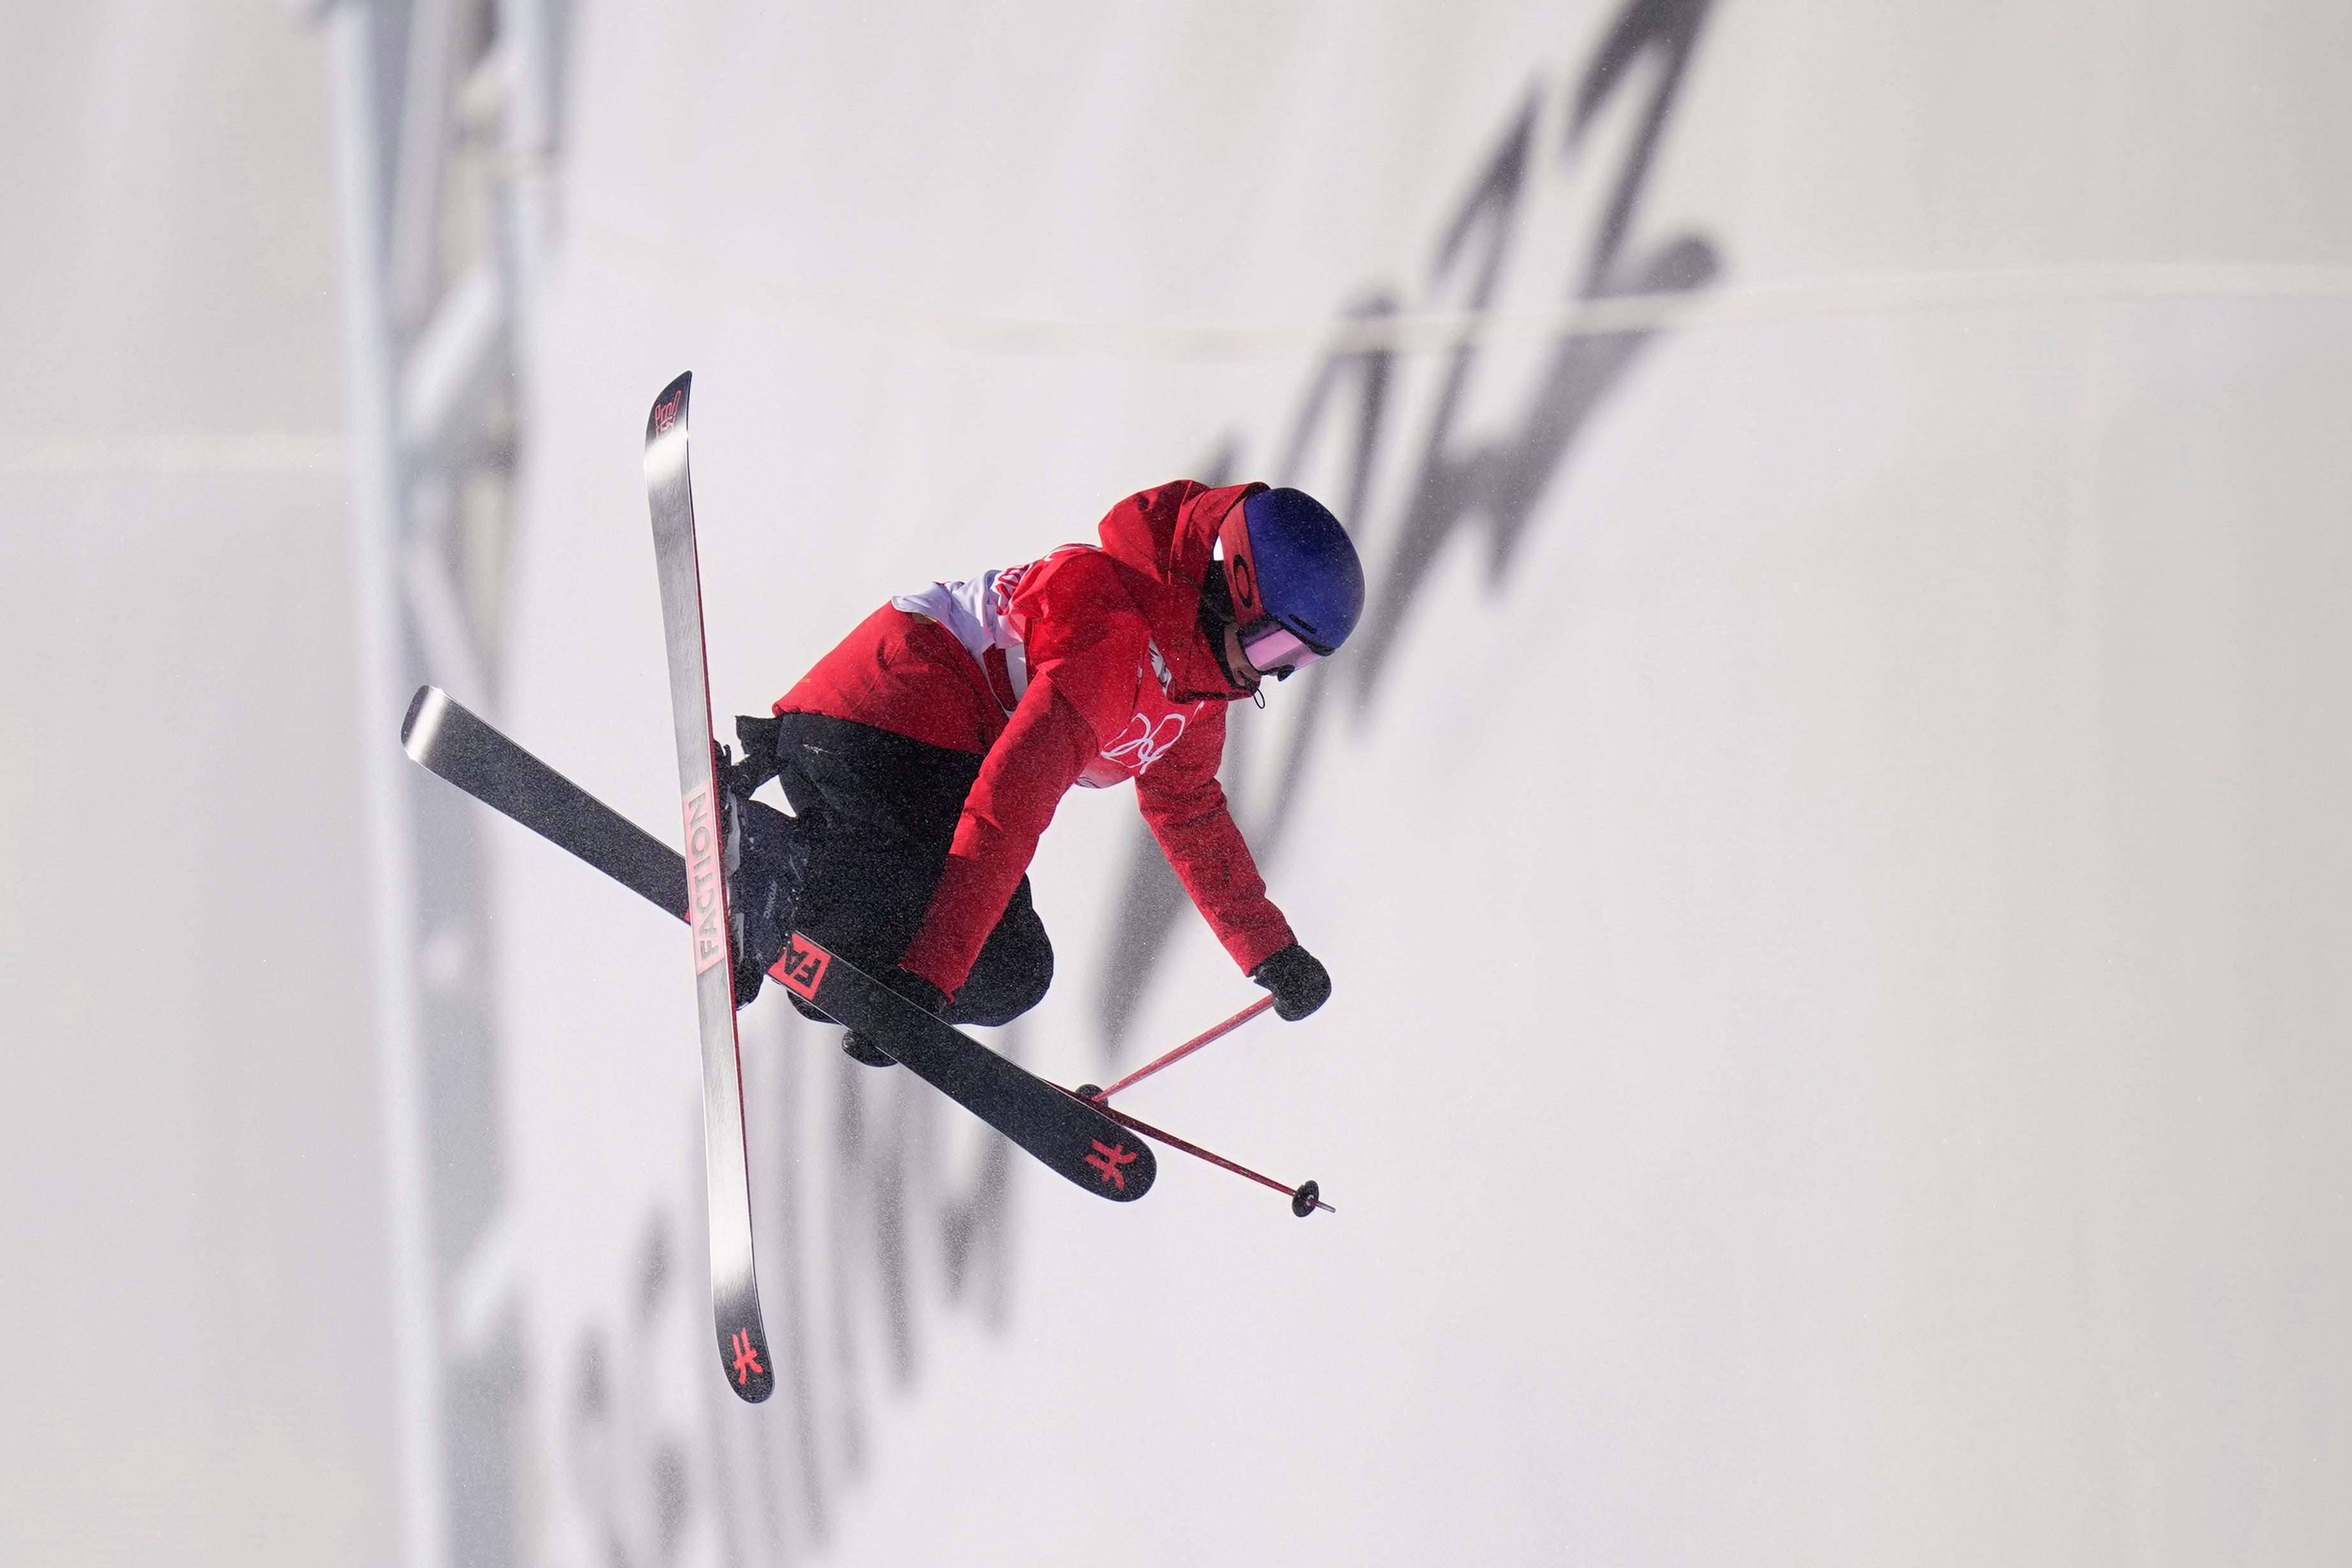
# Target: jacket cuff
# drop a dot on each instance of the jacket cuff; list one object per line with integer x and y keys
{"x": 930, "y": 958}
{"x": 1251, "y": 948}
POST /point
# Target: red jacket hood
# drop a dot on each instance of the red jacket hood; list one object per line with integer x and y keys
{"x": 1165, "y": 541}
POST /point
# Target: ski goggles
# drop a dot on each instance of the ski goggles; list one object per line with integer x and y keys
{"x": 1274, "y": 648}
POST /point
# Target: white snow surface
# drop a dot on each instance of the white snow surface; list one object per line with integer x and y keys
{"x": 1837, "y": 1053}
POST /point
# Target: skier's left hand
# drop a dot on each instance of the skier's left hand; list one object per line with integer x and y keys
{"x": 1299, "y": 982}
{"x": 919, "y": 991}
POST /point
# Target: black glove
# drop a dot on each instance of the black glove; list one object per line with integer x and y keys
{"x": 758, "y": 737}
{"x": 919, "y": 991}
{"x": 1299, "y": 982}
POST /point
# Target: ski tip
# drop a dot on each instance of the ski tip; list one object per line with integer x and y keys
{"x": 743, "y": 1357}
{"x": 1120, "y": 1173}
{"x": 424, "y": 710}
{"x": 669, "y": 408}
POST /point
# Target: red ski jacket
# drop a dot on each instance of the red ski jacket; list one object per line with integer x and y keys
{"x": 1086, "y": 667}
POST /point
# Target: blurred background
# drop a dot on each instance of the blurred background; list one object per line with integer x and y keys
{"x": 1829, "y": 839}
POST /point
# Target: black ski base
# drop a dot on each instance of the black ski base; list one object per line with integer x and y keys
{"x": 1073, "y": 1138}
{"x": 1062, "y": 1133}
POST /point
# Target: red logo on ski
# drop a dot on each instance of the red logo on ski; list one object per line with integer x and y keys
{"x": 666, "y": 414}
{"x": 802, "y": 967}
{"x": 704, "y": 884}
{"x": 747, "y": 1357}
{"x": 1107, "y": 1159}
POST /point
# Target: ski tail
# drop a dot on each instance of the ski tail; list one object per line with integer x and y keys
{"x": 446, "y": 738}
{"x": 1069, "y": 1136}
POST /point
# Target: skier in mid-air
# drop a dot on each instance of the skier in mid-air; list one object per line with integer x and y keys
{"x": 922, "y": 759}
{"x": 926, "y": 753}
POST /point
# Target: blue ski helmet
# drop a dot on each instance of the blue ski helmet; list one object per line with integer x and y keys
{"x": 1298, "y": 588}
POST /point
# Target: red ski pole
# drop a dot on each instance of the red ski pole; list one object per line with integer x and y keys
{"x": 1181, "y": 1052}
{"x": 1305, "y": 1198}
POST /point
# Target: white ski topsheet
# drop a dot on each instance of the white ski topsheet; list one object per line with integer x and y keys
{"x": 1835, "y": 1046}
{"x": 745, "y": 1359}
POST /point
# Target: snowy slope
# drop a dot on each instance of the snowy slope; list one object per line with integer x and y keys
{"x": 1824, "y": 844}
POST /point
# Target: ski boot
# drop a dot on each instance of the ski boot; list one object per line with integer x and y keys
{"x": 766, "y": 853}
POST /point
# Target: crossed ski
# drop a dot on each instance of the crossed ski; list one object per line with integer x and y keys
{"x": 1074, "y": 1133}
{"x": 451, "y": 741}
{"x": 1073, "y": 1137}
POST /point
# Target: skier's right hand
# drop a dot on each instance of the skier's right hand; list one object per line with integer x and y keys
{"x": 1299, "y": 982}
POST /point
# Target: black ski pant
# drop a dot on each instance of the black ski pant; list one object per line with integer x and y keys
{"x": 877, "y": 813}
